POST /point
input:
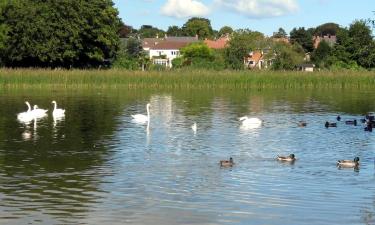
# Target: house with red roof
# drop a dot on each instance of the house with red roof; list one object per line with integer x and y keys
{"x": 163, "y": 50}
{"x": 219, "y": 43}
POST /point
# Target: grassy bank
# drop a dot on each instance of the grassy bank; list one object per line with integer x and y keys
{"x": 38, "y": 78}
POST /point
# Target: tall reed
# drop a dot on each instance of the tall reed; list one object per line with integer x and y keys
{"x": 175, "y": 79}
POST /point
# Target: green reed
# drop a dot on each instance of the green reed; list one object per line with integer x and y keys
{"x": 193, "y": 79}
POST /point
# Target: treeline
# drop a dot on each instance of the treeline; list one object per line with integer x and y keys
{"x": 354, "y": 46}
{"x": 90, "y": 34}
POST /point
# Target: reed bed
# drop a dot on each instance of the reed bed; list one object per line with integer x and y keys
{"x": 184, "y": 79}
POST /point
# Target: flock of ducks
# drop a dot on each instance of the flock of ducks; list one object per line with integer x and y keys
{"x": 37, "y": 113}
{"x": 252, "y": 122}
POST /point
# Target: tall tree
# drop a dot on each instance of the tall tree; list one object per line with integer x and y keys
{"x": 327, "y": 29}
{"x": 148, "y": 31}
{"x": 321, "y": 54}
{"x": 361, "y": 45}
{"x": 281, "y": 33}
{"x": 126, "y": 31}
{"x": 61, "y": 33}
{"x": 302, "y": 37}
{"x": 240, "y": 45}
{"x": 198, "y": 26}
{"x": 174, "y": 31}
{"x": 225, "y": 30}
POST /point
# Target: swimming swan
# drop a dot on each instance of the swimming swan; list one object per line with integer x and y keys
{"x": 57, "y": 112}
{"x": 26, "y": 116}
{"x": 251, "y": 122}
{"x": 140, "y": 118}
{"x": 39, "y": 113}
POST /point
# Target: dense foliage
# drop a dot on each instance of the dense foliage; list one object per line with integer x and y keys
{"x": 62, "y": 33}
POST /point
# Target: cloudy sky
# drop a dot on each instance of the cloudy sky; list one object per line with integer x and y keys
{"x": 261, "y": 15}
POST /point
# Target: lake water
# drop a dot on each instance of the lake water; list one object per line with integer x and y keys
{"x": 96, "y": 166}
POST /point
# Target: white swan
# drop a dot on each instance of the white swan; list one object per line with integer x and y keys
{"x": 140, "y": 118}
{"x": 57, "y": 112}
{"x": 39, "y": 113}
{"x": 251, "y": 122}
{"x": 25, "y": 116}
{"x": 194, "y": 128}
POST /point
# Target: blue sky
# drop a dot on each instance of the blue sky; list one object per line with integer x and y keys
{"x": 261, "y": 15}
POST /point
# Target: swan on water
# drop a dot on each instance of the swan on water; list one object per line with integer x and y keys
{"x": 39, "y": 113}
{"x": 194, "y": 128}
{"x": 57, "y": 112}
{"x": 25, "y": 116}
{"x": 251, "y": 122}
{"x": 140, "y": 118}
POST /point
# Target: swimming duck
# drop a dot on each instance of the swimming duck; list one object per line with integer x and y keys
{"x": 351, "y": 122}
{"x": 338, "y": 118}
{"x": 302, "y": 124}
{"x": 348, "y": 163}
{"x": 289, "y": 158}
{"x": 227, "y": 163}
{"x": 368, "y": 127}
{"x": 328, "y": 124}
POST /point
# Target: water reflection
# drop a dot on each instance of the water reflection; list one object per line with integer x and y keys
{"x": 98, "y": 167}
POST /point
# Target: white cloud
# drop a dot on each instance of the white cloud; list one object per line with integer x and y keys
{"x": 259, "y": 8}
{"x": 184, "y": 8}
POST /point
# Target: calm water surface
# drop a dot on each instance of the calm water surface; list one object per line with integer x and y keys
{"x": 96, "y": 166}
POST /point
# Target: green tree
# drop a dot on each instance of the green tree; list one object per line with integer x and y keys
{"x": 3, "y": 31}
{"x": 61, "y": 33}
{"x": 126, "y": 31}
{"x": 281, "y": 33}
{"x": 361, "y": 44}
{"x": 198, "y": 26}
{"x": 148, "y": 31}
{"x": 321, "y": 55}
{"x": 225, "y": 30}
{"x": 286, "y": 57}
{"x": 302, "y": 37}
{"x": 327, "y": 29}
{"x": 241, "y": 44}
{"x": 197, "y": 51}
{"x": 174, "y": 31}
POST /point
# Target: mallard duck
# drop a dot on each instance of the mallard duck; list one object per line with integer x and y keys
{"x": 351, "y": 122}
{"x": 289, "y": 158}
{"x": 302, "y": 123}
{"x": 227, "y": 163}
{"x": 348, "y": 163}
{"x": 328, "y": 124}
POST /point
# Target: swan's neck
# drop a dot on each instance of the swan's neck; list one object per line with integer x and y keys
{"x": 148, "y": 112}
{"x": 28, "y": 107}
{"x": 55, "y": 104}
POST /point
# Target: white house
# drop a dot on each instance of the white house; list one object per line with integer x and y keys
{"x": 163, "y": 50}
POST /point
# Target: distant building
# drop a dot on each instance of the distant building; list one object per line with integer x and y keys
{"x": 330, "y": 39}
{"x": 257, "y": 59}
{"x": 219, "y": 43}
{"x": 306, "y": 67}
{"x": 163, "y": 50}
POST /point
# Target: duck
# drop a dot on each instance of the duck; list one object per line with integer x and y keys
{"x": 227, "y": 163}
{"x": 328, "y": 124}
{"x": 348, "y": 163}
{"x": 302, "y": 124}
{"x": 290, "y": 158}
{"x": 351, "y": 122}
{"x": 338, "y": 118}
{"x": 57, "y": 112}
{"x": 368, "y": 127}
